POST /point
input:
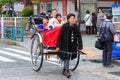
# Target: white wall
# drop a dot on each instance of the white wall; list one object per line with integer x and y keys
{"x": 71, "y": 8}
{"x": 18, "y": 6}
{"x": 57, "y": 5}
{"x": 104, "y": 3}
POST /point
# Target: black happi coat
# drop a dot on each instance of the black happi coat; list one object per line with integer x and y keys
{"x": 65, "y": 44}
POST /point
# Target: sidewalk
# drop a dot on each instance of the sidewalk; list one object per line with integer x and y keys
{"x": 90, "y": 65}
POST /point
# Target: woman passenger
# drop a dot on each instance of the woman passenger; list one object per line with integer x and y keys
{"x": 58, "y": 21}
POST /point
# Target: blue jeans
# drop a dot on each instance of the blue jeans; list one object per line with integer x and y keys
{"x": 66, "y": 65}
{"x": 98, "y": 28}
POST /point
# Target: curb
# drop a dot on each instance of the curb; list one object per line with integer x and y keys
{"x": 11, "y": 42}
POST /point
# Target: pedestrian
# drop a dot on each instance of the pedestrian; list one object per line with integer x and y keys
{"x": 43, "y": 13}
{"x": 51, "y": 21}
{"x": 100, "y": 19}
{"x": 69, "y": 40}
{"x": 49, "y": 14}
{"x": 94, "y": 22}
{"x": 107, "y": 29}
{"x": 88, "y": 22}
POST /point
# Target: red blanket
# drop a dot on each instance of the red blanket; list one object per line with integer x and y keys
{"x": 49, "y": 37}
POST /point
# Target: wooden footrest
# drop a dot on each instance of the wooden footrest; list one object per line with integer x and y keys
{"x": 50, "y": 52}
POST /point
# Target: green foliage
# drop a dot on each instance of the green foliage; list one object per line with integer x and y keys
{"x": 3, "y": 2}
{"x": 26, "y": 12}
{"x": 36, "y": 2}
{"x": 24, "y": 22}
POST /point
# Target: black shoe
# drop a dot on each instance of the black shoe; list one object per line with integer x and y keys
{"x": 69, "y": 75}
{"x": 109, "y": 66}
{"x": 65, "y": 73}
{"x": 97, "y": 36}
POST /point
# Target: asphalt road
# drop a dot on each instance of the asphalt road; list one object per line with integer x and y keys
{"x": 13, "y": 56}
{"x": 15, "y": 64}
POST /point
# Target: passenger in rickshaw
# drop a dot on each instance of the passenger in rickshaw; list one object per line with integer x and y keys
{"x": 44, "y": 25}
{"x": 69, "y": 41}
{"x": 50, "y": 33}
{"x": 51, "y": 21}
{"x": 58, "y": 21}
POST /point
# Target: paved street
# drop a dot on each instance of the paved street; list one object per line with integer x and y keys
{"x": 19, "y": 20}
{"x": 20, "y": 57}
{"x": 15, "y": 64}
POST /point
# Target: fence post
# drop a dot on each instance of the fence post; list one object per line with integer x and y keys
{"x": 22, "y": 34}
{"x": 15, "y": 28}
{"x": 2, "y": 27}
{"x": 15, "y": 21}
{"x": 13, "y": 33}
{"x": 4, "y": 30}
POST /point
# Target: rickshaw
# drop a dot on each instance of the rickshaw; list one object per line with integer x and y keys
{"x": 38, "y": 57}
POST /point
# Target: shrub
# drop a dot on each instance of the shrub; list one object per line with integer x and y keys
{"x": 26, "y": 12}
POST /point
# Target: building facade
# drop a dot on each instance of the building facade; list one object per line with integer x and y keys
{"x": 105, "y": 5}
{"x": 63, "y": 6}
{"x": 94, "y": 5}
{"x": 69, "y": 6}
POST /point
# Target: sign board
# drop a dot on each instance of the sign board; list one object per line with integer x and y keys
{"x": 88, "y": 1}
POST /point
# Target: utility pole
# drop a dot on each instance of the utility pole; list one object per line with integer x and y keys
{"x": 24, "y": 3}
{"x": 13, "y": 12}
{"x": 79, "y": 9}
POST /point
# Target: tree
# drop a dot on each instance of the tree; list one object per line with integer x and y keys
{"x": 3, "y": 2}
{"x": 10, "y": 6}
{"x": 26, "y": 12}
{"x": 36, "y": 4}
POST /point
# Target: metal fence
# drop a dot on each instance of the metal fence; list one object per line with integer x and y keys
{"x": 17, "y": 22}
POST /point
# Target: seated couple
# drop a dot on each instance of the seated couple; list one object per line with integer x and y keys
{"x": 58, "y": 22}
{"x": 50, "y": 33}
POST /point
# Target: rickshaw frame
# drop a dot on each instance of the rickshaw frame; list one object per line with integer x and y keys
{"x": 37, "y": 57}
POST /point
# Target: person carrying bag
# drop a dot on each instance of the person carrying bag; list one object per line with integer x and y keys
{"x": 106, "y": 36}
{"x": 99, "y": 44}
{"x": 88, "y": 22}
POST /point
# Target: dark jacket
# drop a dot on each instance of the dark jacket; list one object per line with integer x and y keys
{"x": 94, "y": 20}
{"x": 65, "y": 44}
{"x": 107, "y": 29}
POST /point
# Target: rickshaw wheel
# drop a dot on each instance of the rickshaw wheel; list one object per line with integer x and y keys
{"x": 36, "y": 53}
{"x": 75, "y": 62}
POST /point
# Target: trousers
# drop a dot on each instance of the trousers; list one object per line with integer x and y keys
{"x": 88, "y": 29}
{"x": 107, "y": 53}
{"x": 66, "y": 65}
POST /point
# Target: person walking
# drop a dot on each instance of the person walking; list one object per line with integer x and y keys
{"x": 49, "y": 12}
{"x": 43, "y": 13}
{"x": 107, "y": 29}
{"x": 94, "y": 22}
{"x": 69, "y": 40}
{"x": 100, "y": 19}
{"x": 88, "y": 22}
